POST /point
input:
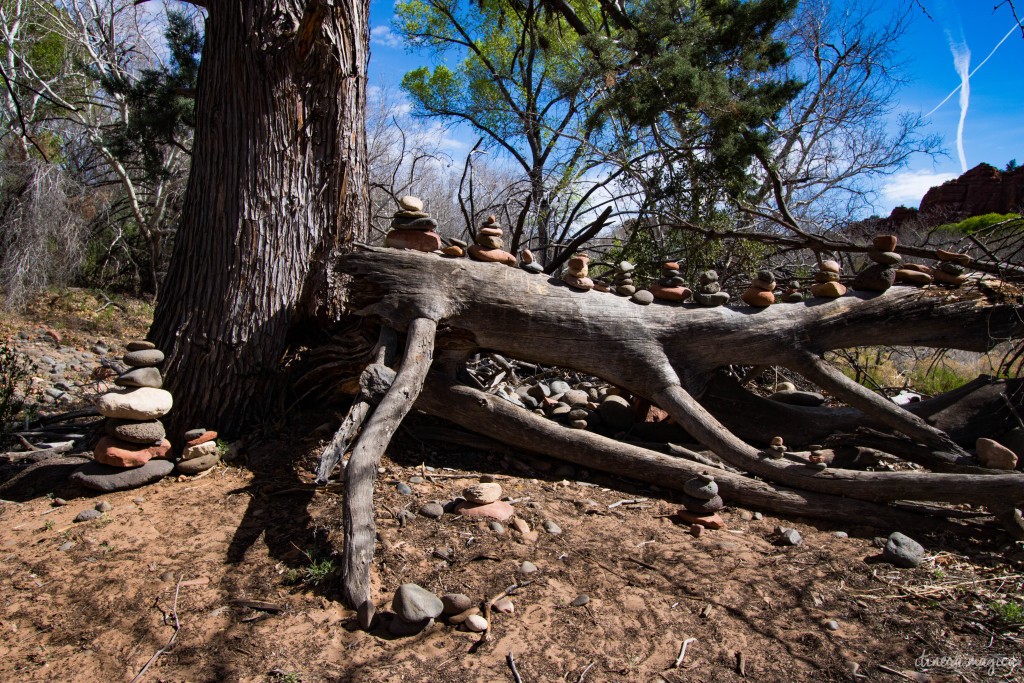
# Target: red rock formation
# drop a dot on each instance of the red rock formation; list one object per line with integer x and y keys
{"x": 983, "y": 189}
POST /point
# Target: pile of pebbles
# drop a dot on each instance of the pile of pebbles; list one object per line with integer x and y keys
{"x": 528, "y": 263}
{"x": 201, "y": 453}
{"x": 709, "y": 293}
{"x": 880, "y": 275}
{"x": 826, "y": 281}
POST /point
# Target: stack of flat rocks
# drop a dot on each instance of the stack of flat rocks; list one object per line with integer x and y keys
{"x": 412, "y": 227}
{"x": 483, "y": 500}
{"x": 777, "y": 449}
{"x": 201, "y": 451}
{"x": 133, "y": 451}
{"x": 788, "y": 393}
{"x": 760, "y": 292}
{"x": 879, "y": 276}
{"x": 826, "y": 281}
{"x": 489, "y": 246}
{"x": 702, "y": 502}
{"x": 914, "y": 274}
{"x": 528, "y": 263}
{"x": 576, "y": 274}
{"x": 950, "y": 270}
{"x": 622, "y": 281}
{"x": 670, "y": 286}
{"x": 709, "y": 293}
{"x": 793, "y": 294}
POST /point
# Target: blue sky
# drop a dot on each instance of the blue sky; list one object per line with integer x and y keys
{"x": 993, "y": 128}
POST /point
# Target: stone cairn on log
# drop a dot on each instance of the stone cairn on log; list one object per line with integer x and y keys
{"x": 622, "y": 279}
{"x": 489, "y": 246}
{"x": 133, "y": 451}
{"x": 528, "y": 263}
{"x": 950, "y": 270}
{"x": 777, "y": 449}
{"x": 412, "y": 227}
{"x": 760, "y": 292}
{"x": 826, "y": 281}
{"x": 670, "y": 286}
{"x": 701, "y": 504}
{"x": 881, "y": 275}
{"x": 576, "y": 274}
{"x": 709, "y": 293}
{"x": 786, "y": 392}
{"x": 201, "y": 451}
{"x": 793, "y": 294}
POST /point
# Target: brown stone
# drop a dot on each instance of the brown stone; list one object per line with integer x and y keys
{"x": 758, "y": 297}
{"x": 983, "y": 189}
{"x": 828, "y": 290}
{"x": 499, "y": 510}
{"x": 413, "y": 239}
{"x": 478, "y": 253}
{"x": 579, "y": 261}
{"x": 944, "y": 278}
{"x": 454, "y": 251}
{"x": 208, "y": 435}
{"x": 884, "y": 242}
{"x": 943, "y": 255}
{"x": 490, "y": 231}
{"x": 670, "y": 265}
{"x": 526, "y": 255}
{"x": 712, "y": 521}
{"x": 830, "y": 266}
{"x": 764, "y": 285}
{"x": 489, "y": 242}
{"x": 117, "y": 453}
{"x": 994, "y": 455}
{"x": 919, "y": 267}
{"x": 581, "y": 283}
{"x": 823, "y": 276}
{"x": 670, "y": 293}
{"x": 579, "y": 272}
{"x": 912, "y": 277}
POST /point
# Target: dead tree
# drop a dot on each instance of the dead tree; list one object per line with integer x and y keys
{"x": 668, "y": 354}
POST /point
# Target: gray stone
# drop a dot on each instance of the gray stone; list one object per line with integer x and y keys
{"x": 712, "y": 300}
{"x": 874, "y": 278}
{"x": 193, "y": 434}
{"x": 367, "y": 614}
{"x": 66, "y": 546}
{"x": 88, "y": 515}
{"x": 616, "y": 412}
{"x": 539, "y": 391}
{"x": 580, "y": 600}
{"x": 141, "y": 377}
{"x": 789, "y": 536}
{"x": 903, "y": 551}
{"x": 104, "y": 506}
{"x": 560, "y": 387}
{"x": 561, "y": 409}
{"x": 885, "y": 258}
{"x": 625, "y": 290}
{"x": 140, "y": 345}
{"x": 415, "y": 604}
{"x": 99, "y": 477}
{"x": 552, "y": 528}
{"x": 495, "y": 526}
{"x": 194, "y": 466}
{"x": 133, "y": 431}
{"x": 144, "y": 358}
{"x": 625, "y": 267}
{"x": 575, "y": 397}
{"x": 532, "y": 267}
{"x": 702, "y": 506}
{"x": 475, "y": 623}
{"x": 642, "y": 297}
{"x": 432, "y": 510}
{"x": 527, "y": 567}
{"x": 832, "y": 625}
{"x": 403, "y": 488}
{"x": 703, "y": 488}
{"x": 455, "y": 603}
{"x": 840, "y": 534}
{"x": 798, "y": 398}
{"x": 482, "y": 493}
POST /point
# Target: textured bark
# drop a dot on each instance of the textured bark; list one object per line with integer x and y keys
{"x": 277, "y": 189}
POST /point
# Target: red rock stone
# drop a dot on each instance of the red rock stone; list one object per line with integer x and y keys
{"x": 413, "y": 239}
{"x": 884, "y": 242}
{"x": 713, "y": 521}
{"x": 601, "y": 287}
{"x": 670, "y": 293}
{"x": 499, "y": 510}
{"x": 994, "y": 455}
{"x": 919, "y": 267}
{"x": 943, "y": 255}
{"x": 208, "y": 435}
{"x": 454, "y": 251}
{"x": 478, "y": 253}
{"x": 945, "y": 278}
{"x": 670, "y": 265}
{"x": 526, "y": 255}
{"x": 829, "y": 290}
{"x": 758, "y": 297}
{"x": 117, "y": 453}
{"x": 490, "y": 231}
{"x": 582, "y": 283}
{"x": 912, "y": 277}
{"x": 696, "y": 530}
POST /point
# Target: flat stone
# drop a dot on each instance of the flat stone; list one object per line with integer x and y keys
{"x": 414, "y": 603}
{"x": 703, "y": 488}
{"x": 143, "y": 403}
{"x": 87, "y": 516}
{"x": 952, "y": 257}
{"x": 133, "y": 431}
{"x": 200, "y": 450}
{"x": 711, "y": 521}
{"x": 490, "y": 242}
{"x": 885, "y": 258}
{"x": 642, "y": 297}
{"x": 482, "y": 494}
{"x": 583, "y": 284}
{"x": 902, "y": 551}
{"x": 758, "y": 297}
{"x": 197, "y": 465}
{"x": 425, "y": 241}
{"x": 100, "y": 477}
{"x": 527, "y": 567}
{"x": 884, "y": 242}
{"x": 552, "y": 528}
{"x": 616, "y": 412}
{"x": 454, "y": 251}
{"x": 432, "y": 510}
{"x": 625, "y": 267}
{"x": 944, "y": 278}
{"x": 912, "y": 277}
{"x": 144, "y": 358}
{"x": 421, "y": 223}
{"x": 664, "y": 293}
{"x": 702, "y": 506}
{"x": 204, "y": 436}
{"x": 490, "y": 231}
{"x": 455, "y": 603}
{"x": 410, "y": 203}
{"x": 625, "y": 290}
{"x": 711, "y": 300}
{"x": 994, "y": 455}
{"x": 499, "y": 510}
{"x": 141, "y": 377}
{"x": 824, "y": 276}
{"x": 140, "y": 345}
{"x": 534, "y": 268}
{"x": 117, "y": 453}
{"x": 809, "y": 399}
{"x": 478, "y": 253}
{"x": 580, "y": 600}
{"x": 828, "y": 290}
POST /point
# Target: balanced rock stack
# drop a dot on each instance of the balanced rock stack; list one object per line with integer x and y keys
{"x": 201, "y": 451}
{"x": 134, "y": 436}
{"x": 759, "y": 293}
{"x": 709, "y": 292}
{"x": 793, "y": 294}
{"x": 788, "y": 393}
{"x": 412, "y": 227}
{"x": 950, "y": 270}
{"x": 576, "y": 273}
{"x": 456, "y": 249}
{"x": 528, "y": 263}
{"x": 489, "y": 246}
{"x": 701, "y": 500}
{"x": 826, "y": 281}
{"x": 670, "y": 286}
{"x": 777, "y": 449}
{"x": 881, "y": 275}
{"x": 914, "y": 274}
{"x": 623, "y": 279}
{"x": 483, "y": 500}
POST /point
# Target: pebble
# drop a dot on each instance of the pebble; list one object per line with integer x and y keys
{"x": 840, "y": 534}
{"x": 482, "y": 493}
{"x": 789, "y": 536}
{"x": 580, "y": 600}
{"x": 416, "y": 480}
{"x": 104, "y": 506}
{"x": 902, "y": 551}
{"x": 88, "y": 515}
{"x": 496, "y": 526}
{"x": 403, "y": 488}
{"x": 432, "y": 510}
{"x": 67, "y": 545}
{"x": 475, "y": 623}
{"x": 552, "y": 528}
{"x": 520, "y": 525}
{"x": 59, "y": 502}
{"x": 414, "y": 603}
{"x": 143, "y": 358}
{"x": 140, "y": 345}
{"x": 642, "y": 297}
{"x": 195, "y": 466}
{"x": 696, "y": 530}
{"x": 527, "y": 567}
{"x": 832, "y": 625}
{"x": 746, "y": 515}
{"x": 140, "y": 377}
{"x": 455, "y": 603}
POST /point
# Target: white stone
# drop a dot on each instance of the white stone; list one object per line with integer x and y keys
{"x": 410, "y": 203}
{"x": 144, "y": 403}
{"x": 205, "y": 448}
{"x": 482, "y": 494}
{"x": 475, "y": 623}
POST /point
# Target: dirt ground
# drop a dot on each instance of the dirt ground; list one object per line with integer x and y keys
{"x": 235, "y": 566}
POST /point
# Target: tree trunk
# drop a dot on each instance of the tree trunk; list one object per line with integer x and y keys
{"x": 277, "y": 190}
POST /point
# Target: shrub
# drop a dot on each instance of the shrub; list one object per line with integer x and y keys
{"x": 14, "y": 369}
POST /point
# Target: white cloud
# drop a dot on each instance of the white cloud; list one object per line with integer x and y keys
{"x": 383, "y": 35}
{"x": 908, "y": 187}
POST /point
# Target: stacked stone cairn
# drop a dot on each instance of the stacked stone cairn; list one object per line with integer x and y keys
{"x": 489, "y": 245}
{"x": 709, "y": 293}
{"x": 950, "y": 270}
{"x": 786, "y": 392}
{"x": 879, "y": 276}
{"x": 670, "y": 286}
{"x": 483, "y": 500}
{"x": 777, "y": 449}
{"x": 914, "y": 274}
{"x": 622, "y": 280}
{"x": 133, "y": 451}
{"x": 412, "y": 227}
{"x": 701, "y": 502}
{"x": 528, "y": 263}
{"x": 759, "y": 293}
{"x": 793, "y": 293}
{"x": 826, "y": 281}
{"x": 455, "y": 249}
{"x": 576, "y": 274}
{"x": 201, "y": 451}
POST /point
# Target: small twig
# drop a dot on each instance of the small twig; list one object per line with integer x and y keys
{"x": 584, "y": 674}
{"x": 894, "y": 672}
{"x": 628, "y": 501}
{"x": 170, "y": 643}
{"x": 25, "y": 442}
{"x": 511, "y": 590}
{"x": 512, "y": 665}
{"x": 682, "y": 652}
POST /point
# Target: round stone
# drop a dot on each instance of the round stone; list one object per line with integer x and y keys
{"x": 583, "y": 284}
{"x": 829, "y": 266}
{"x": 701, "y": 488}
{"x": 197, "y": 465}
{"x": 888, "y": 258}
{"x": 87, "y": 516}
{"x": 994, "y": 455}
{"x": 701, "y": 506}
{"x": 148, "y": 432}
{"x": 708, "y": 276}
{"x": 414, "y": 603}
{"x": 526, "y": 256}
{"x": 99, "y": 477}
{"x": 135, "y": 404}
{"x": 481, "y": 494}
{"x": 144, "y": 358}
{"x": 475, "y": 623}
{"x": 432, "y": 511}
{"x": 625, "y": 267}
{"x": 616, "y": 412}
{"x": 875, "y": 278}
{"x": 758, "y": 297}
{"x": 884, "y": 242}
{"x": 479, "y": 253}
{"x": 140, "y": 345}
{"x": 575, "y": 397}
{"x": 455, "y": 603}
{"x": 580, "y": 601}
{"x": 560, "y": 387}
{"x": 642, "y": 297}
{"x": 454, "y": 251}
{"x": 410, "y": 203}
{"x": 490, "y": 231}
{"x": 625, "y": 290}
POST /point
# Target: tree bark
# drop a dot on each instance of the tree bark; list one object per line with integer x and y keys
{"x": 277, "y": 190}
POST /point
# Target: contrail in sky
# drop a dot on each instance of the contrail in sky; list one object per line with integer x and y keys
{"x": 998, "y": 45}
{"x": 962, "y": 62}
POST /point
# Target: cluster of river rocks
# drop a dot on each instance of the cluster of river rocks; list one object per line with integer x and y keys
{"x": 413, "y": 229}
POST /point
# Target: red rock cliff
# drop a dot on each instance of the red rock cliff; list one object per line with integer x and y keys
{"x": 983, "y": 189}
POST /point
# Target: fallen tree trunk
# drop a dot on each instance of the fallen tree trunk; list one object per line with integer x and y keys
{"x": 668, "y": 354}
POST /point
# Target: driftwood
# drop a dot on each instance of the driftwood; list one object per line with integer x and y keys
{"x": 669, "y": 355}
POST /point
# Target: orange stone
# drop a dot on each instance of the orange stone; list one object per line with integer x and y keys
{"x": 943, "y": 255}
{"x": 945, "y": 278}
{"x": 712, "y": 521}
{"x": 912, "y": 277}
{"x": 670, "y": 293}
{"x": 413, "y": 239}
{"x": 208, "y": 435}
{"x": 478, "y": 253}
{"x": 117, "y": 453}
{"x": 884, "y": 242}
{"x": 758, "y": 297}
{"x": 499, "y": 510}
{"x": 828, "y": 290}
{"x": 454, "y": 251}
{"x": 919, "y": 267}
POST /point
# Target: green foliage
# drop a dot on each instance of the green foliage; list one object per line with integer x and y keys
{"x": 975, "y": 224}
{"x": 1011, "y": 166}
{"x": 14, "y": 370}
{"x": 316, "y": 572}
{"x": 938, "y": 379}
{"x": 1010, "y": 612}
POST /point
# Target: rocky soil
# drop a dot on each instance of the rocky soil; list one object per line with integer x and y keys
{"x": 230, "y": 575}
